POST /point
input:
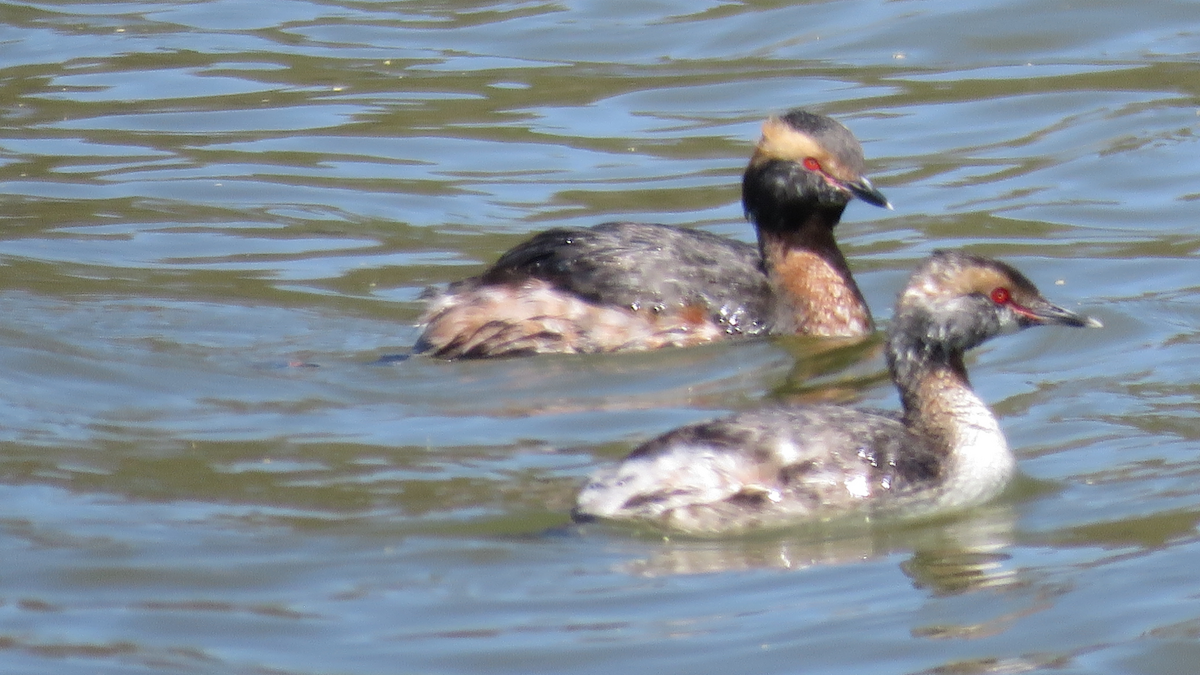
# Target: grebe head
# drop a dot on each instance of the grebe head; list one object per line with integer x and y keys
{"x": 808, "y": 160}
{"x": 955, "y": 301}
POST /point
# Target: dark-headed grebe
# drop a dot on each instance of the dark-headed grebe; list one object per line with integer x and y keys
{"x": 776, "y": 465}
{"x": 635, "y": 286}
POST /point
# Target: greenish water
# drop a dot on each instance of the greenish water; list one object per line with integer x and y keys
{"x": 200, "y": 198}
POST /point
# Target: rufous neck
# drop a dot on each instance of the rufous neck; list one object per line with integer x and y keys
{"x": 816, "y": 292}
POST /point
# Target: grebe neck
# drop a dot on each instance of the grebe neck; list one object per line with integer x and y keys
{"x": 816, "y": 294}
{"x": 941, "y": 407}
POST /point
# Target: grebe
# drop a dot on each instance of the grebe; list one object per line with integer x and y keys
{"x": 637, "y": 286}
{"x": 778, "y": 465}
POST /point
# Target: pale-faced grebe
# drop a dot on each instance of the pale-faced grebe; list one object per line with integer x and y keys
{"x": 636, "y": 286}
{"x": 776, "y": 465}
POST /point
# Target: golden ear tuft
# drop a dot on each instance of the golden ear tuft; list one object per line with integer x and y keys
{"x": 782, "y": 141}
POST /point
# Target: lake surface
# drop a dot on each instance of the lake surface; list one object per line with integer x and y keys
{"x": 220, "y": 216}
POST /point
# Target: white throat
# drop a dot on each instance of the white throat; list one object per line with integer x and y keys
{"x": 980, "y": 463}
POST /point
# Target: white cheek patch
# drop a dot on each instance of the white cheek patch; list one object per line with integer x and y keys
{"x": 1008, "y": 327}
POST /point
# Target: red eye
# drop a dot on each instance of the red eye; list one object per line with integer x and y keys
{"x": 1001, "y": 296}
{"x": 811, "y": 164}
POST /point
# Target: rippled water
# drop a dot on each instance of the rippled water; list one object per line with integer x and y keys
{"x": 204, "y": 200}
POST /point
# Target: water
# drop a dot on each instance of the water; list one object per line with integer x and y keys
{"x": 203, "y": 200}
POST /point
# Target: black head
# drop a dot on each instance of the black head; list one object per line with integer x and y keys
{"x": 955, "y": 301}
{"x": 805, "y": 162}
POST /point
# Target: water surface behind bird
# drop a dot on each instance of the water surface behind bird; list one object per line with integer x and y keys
{"x": 203, "y": 199}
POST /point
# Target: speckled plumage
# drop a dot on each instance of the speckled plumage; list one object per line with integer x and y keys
{"x": 778, "y": 465}
{"x": 763, "y": 467}
{"x": 671, "y": 286}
